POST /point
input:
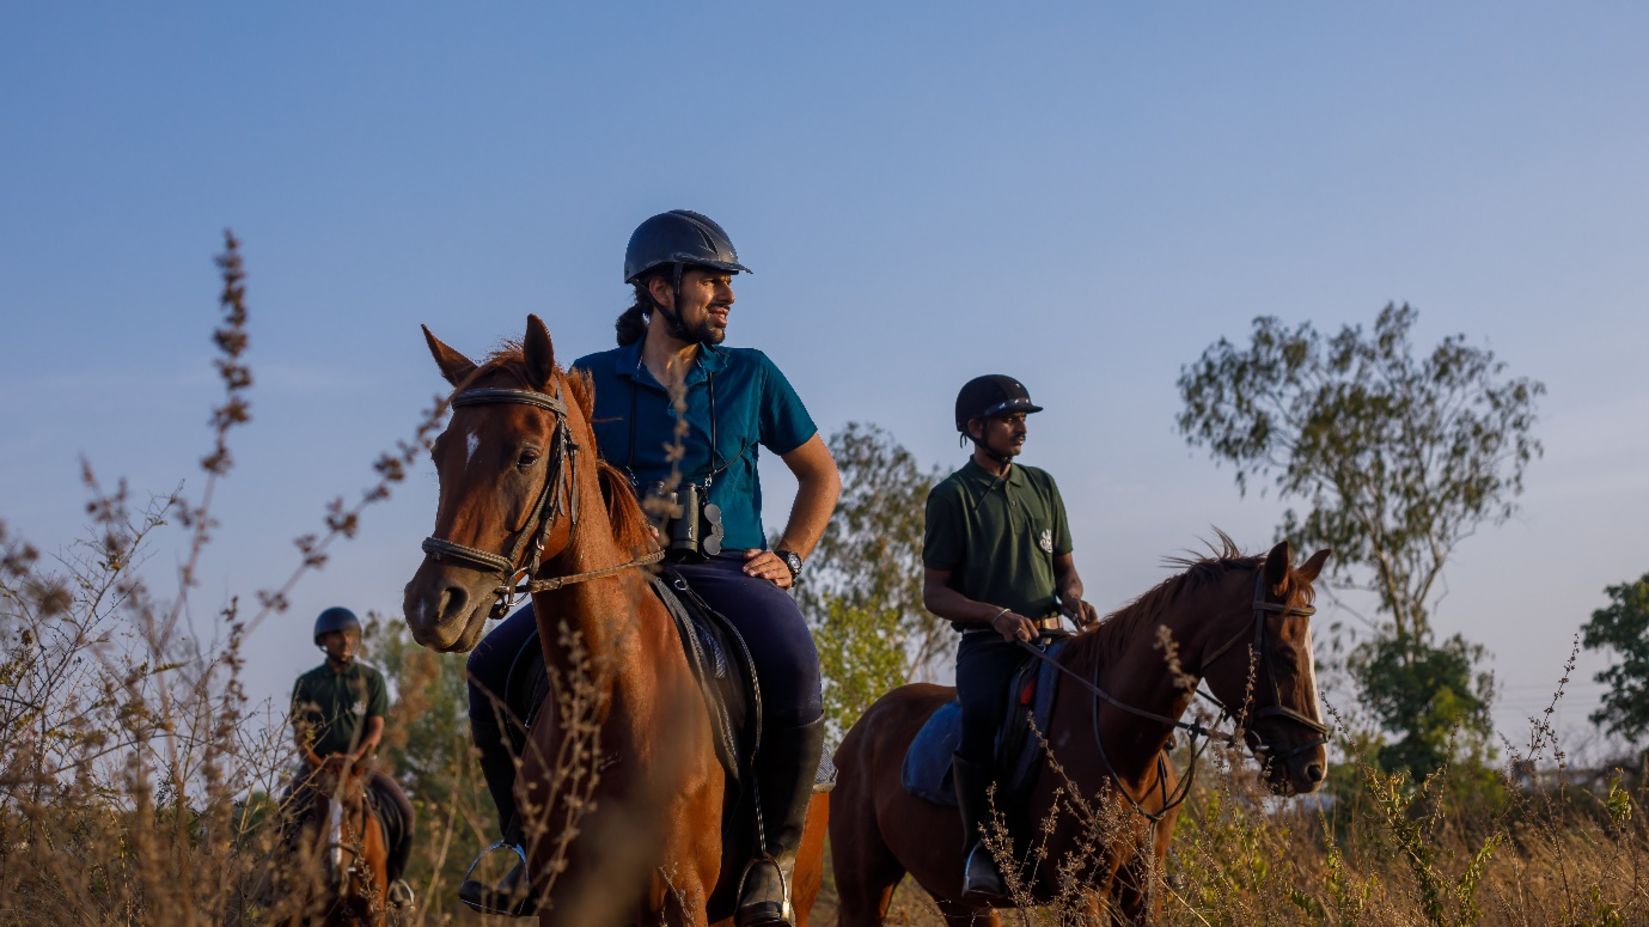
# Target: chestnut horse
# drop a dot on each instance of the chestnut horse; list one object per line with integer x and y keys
{"x": 1108, "y": 732}
{"x": 342, "y": 833}
{"x": 622, "y": 758}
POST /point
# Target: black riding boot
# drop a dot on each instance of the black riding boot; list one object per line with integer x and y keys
{"x": 981, "y": 880}
{"x": 788, "y": 764}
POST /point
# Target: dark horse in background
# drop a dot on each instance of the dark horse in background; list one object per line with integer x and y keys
{"x": 341, "y": 871}
{"x": 1225, "y": 613}
{"x": 524, "y": 491}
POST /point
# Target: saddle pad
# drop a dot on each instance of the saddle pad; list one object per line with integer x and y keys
{"x": 389, "y": 814}
{"x": 926, "y": 770}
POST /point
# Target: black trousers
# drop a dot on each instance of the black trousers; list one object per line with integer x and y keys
{"x": 787, "y": 665}
{"x": 985, "y": 664}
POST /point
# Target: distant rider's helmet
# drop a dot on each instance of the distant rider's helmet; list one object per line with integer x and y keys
{"x": 992, "y": 394}
{"x": 680, "y": 237}
{"x": 335, "y": 618}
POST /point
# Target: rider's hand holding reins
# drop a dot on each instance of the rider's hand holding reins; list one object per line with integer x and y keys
{"x": 1013, "y": 626}
{"x": 1081, "y": 613}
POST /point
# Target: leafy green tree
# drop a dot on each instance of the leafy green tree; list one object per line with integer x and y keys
{"x": 1394, "y": 457}
{"x": 1623, "y": 627}
{"x": 1431, "y": 692}
{"x": 863, "y": 588}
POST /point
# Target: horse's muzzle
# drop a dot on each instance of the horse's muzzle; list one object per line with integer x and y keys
{"x": 446, "y": 606}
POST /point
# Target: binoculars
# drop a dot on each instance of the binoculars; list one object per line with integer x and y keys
{"x": 687, "y": 521}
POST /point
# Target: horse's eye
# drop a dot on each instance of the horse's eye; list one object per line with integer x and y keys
{"x": 527, "y": 459}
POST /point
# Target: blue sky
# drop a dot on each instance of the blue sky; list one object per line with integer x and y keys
{"x": 1082, "y": 195}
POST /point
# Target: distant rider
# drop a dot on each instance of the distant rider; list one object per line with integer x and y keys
{"x": 338, "y": 709}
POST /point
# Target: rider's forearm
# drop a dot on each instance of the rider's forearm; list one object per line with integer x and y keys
{"x": 369, "y": 742}
{"x": 1067, "y": 584}
{"x": 951, "y": 605}
{"x": 816, "y": 494}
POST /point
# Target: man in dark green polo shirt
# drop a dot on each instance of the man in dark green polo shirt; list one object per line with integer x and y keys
{"x": 338, "y": 708}
{"x": 997, "y": 562}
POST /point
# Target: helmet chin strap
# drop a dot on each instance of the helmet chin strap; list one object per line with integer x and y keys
{"x": 1002, "y": 459}
{"x": 672, "y": 319}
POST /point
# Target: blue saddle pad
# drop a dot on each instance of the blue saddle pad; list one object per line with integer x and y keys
{"x": 926, "y": 770}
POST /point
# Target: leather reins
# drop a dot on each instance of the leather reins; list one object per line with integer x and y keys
{"x": 559, "y": 480}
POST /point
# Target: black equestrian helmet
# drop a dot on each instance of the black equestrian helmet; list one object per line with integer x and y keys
{"x": 680, "y": 236}
{"x": 335, "y": 618}
{"x": 992, "y": 394}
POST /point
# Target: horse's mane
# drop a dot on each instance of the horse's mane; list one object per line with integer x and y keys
{"x": 1103, "y": 643}
{"x": 630, "y": 528}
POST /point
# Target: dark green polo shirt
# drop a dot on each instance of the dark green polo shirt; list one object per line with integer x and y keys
{"x": 998, "y": 537}
{"x": 740, "y": 391}
{"x": 331, "y": 708}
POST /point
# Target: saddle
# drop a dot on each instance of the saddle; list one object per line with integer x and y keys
{"x": 926, "y": 772}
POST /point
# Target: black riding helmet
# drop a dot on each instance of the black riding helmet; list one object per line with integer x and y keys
{"x": 991, "y": 394}
{"x": 683, "y": 238}
{"x": 335, "y": 618}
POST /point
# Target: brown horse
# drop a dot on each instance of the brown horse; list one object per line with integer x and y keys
{"x": 1108, "y": 733}
{"x": 342, "y": 843}
{"x": 622, "y": 757}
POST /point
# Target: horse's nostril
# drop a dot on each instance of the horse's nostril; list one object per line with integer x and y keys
{"x": 454, "y": 601}
{"x": 1314, "y": 772}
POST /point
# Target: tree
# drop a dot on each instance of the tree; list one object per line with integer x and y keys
{"x": 863, "y": 588}
{"x": 1395, "y": 458}
{"x": 1399, "y": 458}
{"x": 1624, "y": 628}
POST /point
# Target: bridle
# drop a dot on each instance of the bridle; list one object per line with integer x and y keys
{"x": 1259, "y": 608}
{"x": 1276, "y": 709}
{"x": 559, "y": 480}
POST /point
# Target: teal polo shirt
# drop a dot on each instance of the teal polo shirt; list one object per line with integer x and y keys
{"x": 754, "y": 407}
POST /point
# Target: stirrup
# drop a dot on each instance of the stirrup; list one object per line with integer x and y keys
{"x": 764, "y": 913}
{"x": 996, "y": 895}
{"x": 401, "y": 895}
{"x": 489, "y": 900}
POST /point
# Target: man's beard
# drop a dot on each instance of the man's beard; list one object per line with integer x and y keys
{"x": 704, "y": 331}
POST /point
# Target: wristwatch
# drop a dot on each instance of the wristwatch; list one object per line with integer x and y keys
{"x": 792, "y": 560}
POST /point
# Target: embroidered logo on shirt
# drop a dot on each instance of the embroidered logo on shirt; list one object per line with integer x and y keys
{"x": 1047, "y": 540}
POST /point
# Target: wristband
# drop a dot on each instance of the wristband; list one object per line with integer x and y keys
{"x": 992, "y": 622}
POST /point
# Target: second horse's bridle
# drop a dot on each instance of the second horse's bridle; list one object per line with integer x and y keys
{"x": 558, "y": 481}
{"x": 1259, "y": 608}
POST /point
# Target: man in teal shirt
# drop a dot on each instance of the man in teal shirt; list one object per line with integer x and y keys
{"x": 673, "y": 406}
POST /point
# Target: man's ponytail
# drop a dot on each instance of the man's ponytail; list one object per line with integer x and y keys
{"x": 631, "y": 325}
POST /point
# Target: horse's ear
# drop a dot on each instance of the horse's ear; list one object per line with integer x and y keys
{"x": 1308, "y": 571}
{"x": 455, "y": 367}
{"x": 539, "y": 353}
{"x": 1277, "y": 563}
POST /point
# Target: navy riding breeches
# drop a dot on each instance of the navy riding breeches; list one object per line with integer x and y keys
{"x": 787, "y": 664}
{"x": 985, "y": 664}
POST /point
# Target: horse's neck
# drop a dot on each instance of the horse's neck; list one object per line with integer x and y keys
{"x": 614, "y": 635}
